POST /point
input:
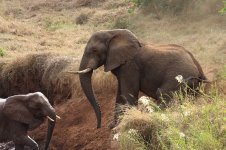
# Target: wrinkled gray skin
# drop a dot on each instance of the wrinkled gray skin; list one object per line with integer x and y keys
{"x": 21, "y": 113}
{"x": 138, "y": 67}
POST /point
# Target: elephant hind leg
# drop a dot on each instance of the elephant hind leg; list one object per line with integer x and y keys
{"x": 163, "y": 97}
{"x": 165, "y": 93}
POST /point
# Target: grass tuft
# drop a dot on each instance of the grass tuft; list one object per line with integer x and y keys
{"x": 82, "y": 18}
{"x": 121, "y": 23}
{"x": 2, "y": 52}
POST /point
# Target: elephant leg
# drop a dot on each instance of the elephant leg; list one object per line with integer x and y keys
{"x": 19, "y": 147}
{"x": 163, "y": 97}
{"x": 165, "y": 93}
{"x": 22, "y": 140}
{"x": 128, "y": 90}
{"x": 35, "y": 124}
{"x": 129, "y": 84}
{"x": 117, "y": 110}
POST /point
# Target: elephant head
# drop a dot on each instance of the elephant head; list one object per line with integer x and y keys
{"x": 110, "y": 48}
{"x": 31, "y": 109}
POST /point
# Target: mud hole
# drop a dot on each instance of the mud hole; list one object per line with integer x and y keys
{"x": 77, "y": 127}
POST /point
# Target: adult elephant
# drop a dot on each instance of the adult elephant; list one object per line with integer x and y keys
{"x": 21, "y": 113}
{"x": 138, "y": 67}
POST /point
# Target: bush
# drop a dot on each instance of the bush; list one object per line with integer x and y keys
{"x": 82, "y": 19}
{"x": 121, "y": 23}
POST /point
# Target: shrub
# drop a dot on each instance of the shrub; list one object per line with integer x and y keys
{"x": 82, "y": 19}
{"x": 121, "y": 23}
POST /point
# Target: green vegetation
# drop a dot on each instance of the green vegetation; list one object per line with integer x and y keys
{"x": 175, "y": 6}
{"x": 162, "y": 8}
{"x": 2, "y": 52}
{"x": 56, "y": 25}
{"x": 189, "y": 124}
{"x": 223, "y": 10}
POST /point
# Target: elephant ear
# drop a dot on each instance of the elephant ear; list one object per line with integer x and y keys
{"x": 15, "y": 109}
{"x": 122, "y": 47}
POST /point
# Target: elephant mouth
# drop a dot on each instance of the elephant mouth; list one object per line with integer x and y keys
{"x": 40, "y": 116}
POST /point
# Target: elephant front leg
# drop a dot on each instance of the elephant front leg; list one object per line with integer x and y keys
{"x": 128, "y": 90}
{"x": 35, "y": 124}
{"x": 22, "y": 140}
{"x": 117, "y": 111}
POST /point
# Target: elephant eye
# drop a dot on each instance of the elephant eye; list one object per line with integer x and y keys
{"x": 95, "y": 50}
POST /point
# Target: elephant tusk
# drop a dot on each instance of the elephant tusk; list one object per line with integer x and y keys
{"x": 58, "y": 117}
{"x": 81, "y": 72}
{"x": 50, "y": 118}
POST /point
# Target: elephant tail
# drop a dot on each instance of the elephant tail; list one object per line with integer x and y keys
{"x": 202, "y": 77}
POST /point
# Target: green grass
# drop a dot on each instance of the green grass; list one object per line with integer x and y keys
{"x": 2, "y": 52}
{"x": 56, "y": 25}
{"x": 191, "y": 124}
{"x": 223, "y": 10}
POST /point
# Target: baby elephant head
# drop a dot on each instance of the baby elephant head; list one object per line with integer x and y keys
{"x": 31, "y": 109}
{"x": 111, "y": 48}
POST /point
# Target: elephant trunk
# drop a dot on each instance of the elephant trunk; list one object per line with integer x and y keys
{"x": 85, "y": 80}
{"x": 51, "y": 124}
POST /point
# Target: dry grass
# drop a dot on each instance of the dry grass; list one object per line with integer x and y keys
{"x": 47, "y": 72}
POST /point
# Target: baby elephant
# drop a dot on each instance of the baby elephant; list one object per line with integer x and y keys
{"x": 20, "y": 113}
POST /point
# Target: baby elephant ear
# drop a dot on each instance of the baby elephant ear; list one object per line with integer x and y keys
{"x": 122, "y": 47}
{"x": 15, "y": 109}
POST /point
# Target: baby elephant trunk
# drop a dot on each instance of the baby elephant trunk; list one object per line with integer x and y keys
{"x": 51, "y": 115}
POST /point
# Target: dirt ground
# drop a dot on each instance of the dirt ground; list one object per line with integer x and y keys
{"x": 77, "y": 128}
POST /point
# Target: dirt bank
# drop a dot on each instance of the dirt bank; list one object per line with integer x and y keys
{"x": 48, "y": 73}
